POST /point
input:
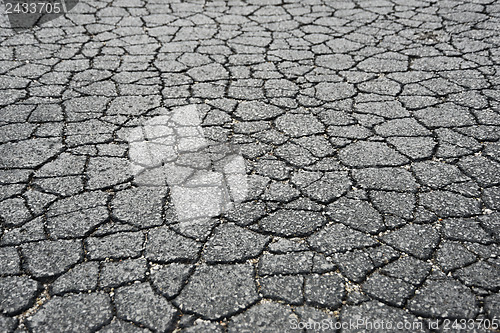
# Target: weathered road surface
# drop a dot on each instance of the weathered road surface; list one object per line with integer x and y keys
{"x": 370, "y": 135}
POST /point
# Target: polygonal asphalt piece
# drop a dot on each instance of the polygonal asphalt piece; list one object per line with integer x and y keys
{"x": 480, "y": 274}
{"x": 82, "y": 277}
{"x": 288, "y": 263}
{"x": 17, "y": 293}
{"x": 230, "y": 243}
{"x": 316, "y": 317}
{"x": 339, "y": 238}
{"x": 418, "y": 240}
{"x": 14, "y": 212}
{"x": 390, "y": 179}
{"x": 284, "y": 245}
{"x": 114, "y": 274}
{"x": 49, "y": 258}
{"x": 370, "y": 154}
{"x": 449, "y": 204}
{"x": 295, "y": 155}
{"x": 78, "y": 223}
{"x": 408, "y": 269}
{"x": 118, "y": 325}
{"x": 169, "y": 279}
{"x": 246, "y": 213}
{"x": 356, "y": 214}
{"x": 72, "y": 313}
{"x": 327, "y": 91}
{"x": 164, "y": 245}
{"x": 444, "y": 299}
{"x": 401, "y": 127}
{"x": 416, "y": 148}
{"x": 28, "y": 153}
{"x": 138, "y": 303}
{"x": 451, "y": 255}
{"x": 391, "y": 290}
{"x": 287, "y": 288}
{"x": 116, "y": 246}
{"x": 332, "y": 185}
{"x": 327, "y": 290}
{"x": 292, "y": 222}
{"x": 30, "y": 231}
{"x": 263, "y": 317}
{"x": 354, "y": 265}
{"x": 254, "y": 110}
{"x": 218, "y": 291}
{"x": 490, "y": 197}
{"x": 436, "y": 175}
{"x": 482, "y": 169}
{"x": 492, "y": 306}
{"x": 9, "y": 261}
{"x": 445, "y": 115}
{"x": 8, "y": 324}
{"x": 297, "y": 125}
{"x": 140, "y": 206}
{"x": 464, "y": 229}
{"x": 394, "y": 203}
{"x": 107, "y": 171}
{"x": 200, "y": 326}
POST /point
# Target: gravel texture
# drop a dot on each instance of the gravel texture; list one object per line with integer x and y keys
{"x": 358, "y": 140}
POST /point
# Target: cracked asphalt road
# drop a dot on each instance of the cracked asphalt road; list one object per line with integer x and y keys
{"x": 370, "y": 135}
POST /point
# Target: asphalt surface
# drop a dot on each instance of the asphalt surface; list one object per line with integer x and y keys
{"x": 368, "y": 133}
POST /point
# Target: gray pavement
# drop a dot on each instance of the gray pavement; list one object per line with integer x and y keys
{"x": 363, "y": 186}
